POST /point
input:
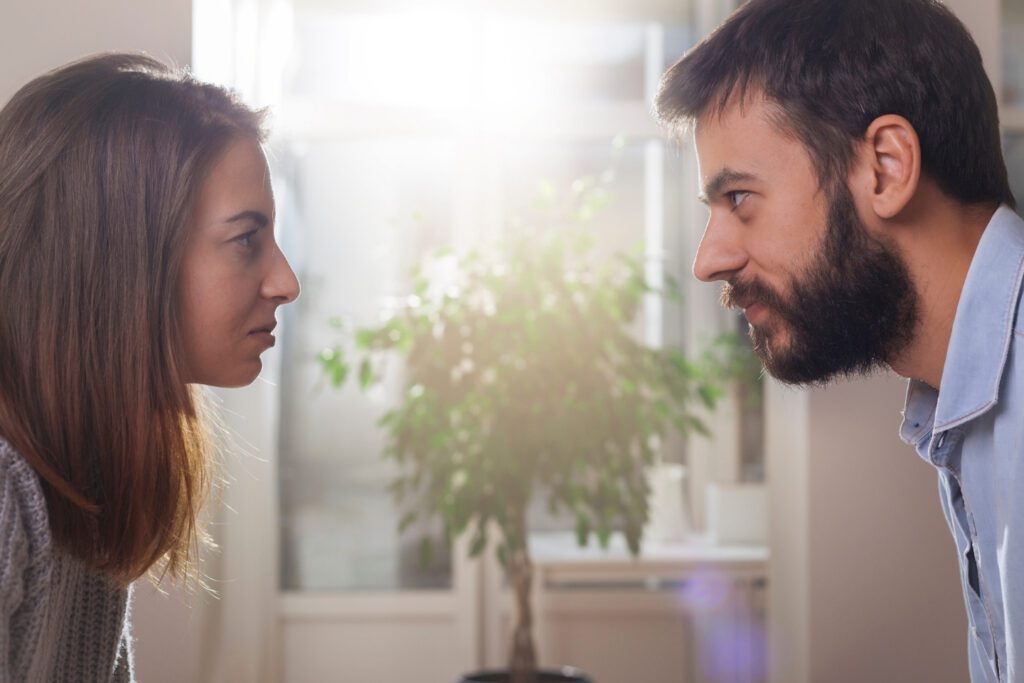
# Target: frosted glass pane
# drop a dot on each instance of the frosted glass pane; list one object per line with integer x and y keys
{"x": 620, "y": 226}
{"x": 678, "y": 40}
{"x": 1013, "y": 145}
{"x": 352, "y": 207}
{"x": 438, "y": 60}
{"x": 1013, "y": 53}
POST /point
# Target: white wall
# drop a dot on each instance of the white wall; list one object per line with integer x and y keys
{"x": 43, "y": 34}
{"x": 982, "y": 18}
{"x": 864, "y": 582}
{"x": 886, "y": 602}
{"x": 864, "y": 579}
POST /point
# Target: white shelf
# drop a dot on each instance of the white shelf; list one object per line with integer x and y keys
{"x": 559, "y": 548}
{"x": 561, "y": 561}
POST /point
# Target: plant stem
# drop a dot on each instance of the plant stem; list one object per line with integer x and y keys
{"x": 523, "y": 667}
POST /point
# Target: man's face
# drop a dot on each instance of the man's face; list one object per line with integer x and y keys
{"x": 824, "y": 298}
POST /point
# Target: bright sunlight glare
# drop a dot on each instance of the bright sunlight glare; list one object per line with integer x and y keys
{"x": 418, "y": 59}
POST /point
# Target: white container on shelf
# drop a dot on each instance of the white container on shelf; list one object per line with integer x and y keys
{"x": 737, "y": 513}
{"x": 669, "y": 519}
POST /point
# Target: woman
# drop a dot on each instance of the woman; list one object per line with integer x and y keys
{"x": 137, "y": 258}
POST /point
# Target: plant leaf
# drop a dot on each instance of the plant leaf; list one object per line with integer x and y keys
{"x": 407, "y": 520}
{"x": 338, "y": 374}
{"x": 365, "y": 374}
{"x": 479, "y": 541}
{"x": 582, "y": 530}
{"x": 426, "y": 552}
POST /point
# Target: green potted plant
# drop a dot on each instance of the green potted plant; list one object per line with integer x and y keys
{"x": 523, "y": 376}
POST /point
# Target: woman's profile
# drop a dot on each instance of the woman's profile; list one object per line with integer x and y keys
{"x": 137, "y": 259}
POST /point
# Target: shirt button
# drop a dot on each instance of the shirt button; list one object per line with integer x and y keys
{"x": 942, "y": 440}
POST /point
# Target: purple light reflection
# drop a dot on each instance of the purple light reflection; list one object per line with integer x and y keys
{"x": 733, "y": 650}
{"x": 705, "y": 590}
{"x": 732, "y": 642}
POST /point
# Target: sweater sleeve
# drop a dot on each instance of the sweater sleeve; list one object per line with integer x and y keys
{"x": 13, "y": 558}
{"x": 124, "y": 665}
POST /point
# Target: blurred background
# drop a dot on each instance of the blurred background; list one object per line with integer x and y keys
{"x": 801, "y": 542}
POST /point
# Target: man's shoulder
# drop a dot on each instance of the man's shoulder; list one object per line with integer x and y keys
{"x": 1012, "y": 231}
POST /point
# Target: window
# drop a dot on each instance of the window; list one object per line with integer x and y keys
{"x": 1013, "y": 94}
{"x": 1013, "y": 53}
{"x": 397, "y": 131}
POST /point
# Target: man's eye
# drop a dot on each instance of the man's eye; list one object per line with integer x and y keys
{"x": 736, "y": 198}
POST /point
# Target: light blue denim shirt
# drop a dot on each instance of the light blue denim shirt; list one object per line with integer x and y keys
{"x": 972, "y": 431}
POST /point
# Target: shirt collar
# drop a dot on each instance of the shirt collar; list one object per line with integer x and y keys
{"x": 918, "y": 412}
{"x": 984, "y": 323}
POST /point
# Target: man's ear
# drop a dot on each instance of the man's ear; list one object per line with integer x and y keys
{"x": 892, "y": 157}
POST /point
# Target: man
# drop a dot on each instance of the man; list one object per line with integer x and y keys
{"x": 860, "y": 215}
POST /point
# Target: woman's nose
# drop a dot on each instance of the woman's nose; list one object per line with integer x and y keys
{"x": 281, "y": 283}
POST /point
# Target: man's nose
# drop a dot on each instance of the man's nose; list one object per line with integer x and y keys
{"x": 720, "y": 254}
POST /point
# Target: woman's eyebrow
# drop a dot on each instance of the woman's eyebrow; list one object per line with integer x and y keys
{"x": 257, "y": 217}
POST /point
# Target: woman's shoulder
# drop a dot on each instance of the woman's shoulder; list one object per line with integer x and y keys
{"x": 23, "y": 517}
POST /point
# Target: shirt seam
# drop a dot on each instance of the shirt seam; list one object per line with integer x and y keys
{"x": 982, "y": 583}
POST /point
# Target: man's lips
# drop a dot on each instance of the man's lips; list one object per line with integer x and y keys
{"x": 754, "y": 300}
{"x": 754, "y": 311}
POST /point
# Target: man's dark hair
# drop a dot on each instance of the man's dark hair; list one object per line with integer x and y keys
{"x": 834, "y": 66}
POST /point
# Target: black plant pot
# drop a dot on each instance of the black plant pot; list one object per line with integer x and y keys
{"x": 566, "y": 674}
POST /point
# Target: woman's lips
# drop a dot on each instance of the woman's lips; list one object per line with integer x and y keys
{"x": 265, "y": 334}
{"x": 264, "y": 337}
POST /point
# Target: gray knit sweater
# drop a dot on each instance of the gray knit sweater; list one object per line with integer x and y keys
{"x": 59, "y": 621}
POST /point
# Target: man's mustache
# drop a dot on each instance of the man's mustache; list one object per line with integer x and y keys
{"x": 738, "y": 295}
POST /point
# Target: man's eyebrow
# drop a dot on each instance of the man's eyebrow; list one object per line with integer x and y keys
{"x": 724, "y": 177}
{"x": 257, "y": 217}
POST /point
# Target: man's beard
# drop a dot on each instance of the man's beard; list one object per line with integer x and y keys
{"x": 852, "y": 311}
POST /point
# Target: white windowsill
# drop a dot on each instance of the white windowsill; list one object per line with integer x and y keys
{"x": 561, "y": 562}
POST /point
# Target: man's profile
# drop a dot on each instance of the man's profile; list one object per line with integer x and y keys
{"x": 861, "y": 217}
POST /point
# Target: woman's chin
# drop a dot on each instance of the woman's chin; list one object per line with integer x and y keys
{"x": 241, "y": 375}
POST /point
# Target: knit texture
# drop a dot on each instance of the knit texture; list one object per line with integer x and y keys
{"x": 59, "y": 621}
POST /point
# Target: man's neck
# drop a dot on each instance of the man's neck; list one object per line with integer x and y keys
{"x": 937, "y": 238}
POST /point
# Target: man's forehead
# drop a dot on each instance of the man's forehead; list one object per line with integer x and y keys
{"x": 732, "y": 146}
{"x": 752, "y": 113}
{"x": 746, "y": 142}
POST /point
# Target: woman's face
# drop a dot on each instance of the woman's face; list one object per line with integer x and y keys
{"x": 233, "y": 275}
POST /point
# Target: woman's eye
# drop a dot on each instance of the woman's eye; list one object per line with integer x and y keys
{"x": 736, "y": 198}
{"x": 247, "y": 240}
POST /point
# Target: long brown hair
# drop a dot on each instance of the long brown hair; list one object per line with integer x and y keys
{"x": 100, "y": 165}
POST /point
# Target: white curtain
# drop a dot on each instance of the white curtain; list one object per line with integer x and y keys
{"x": 243, "y": 44}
